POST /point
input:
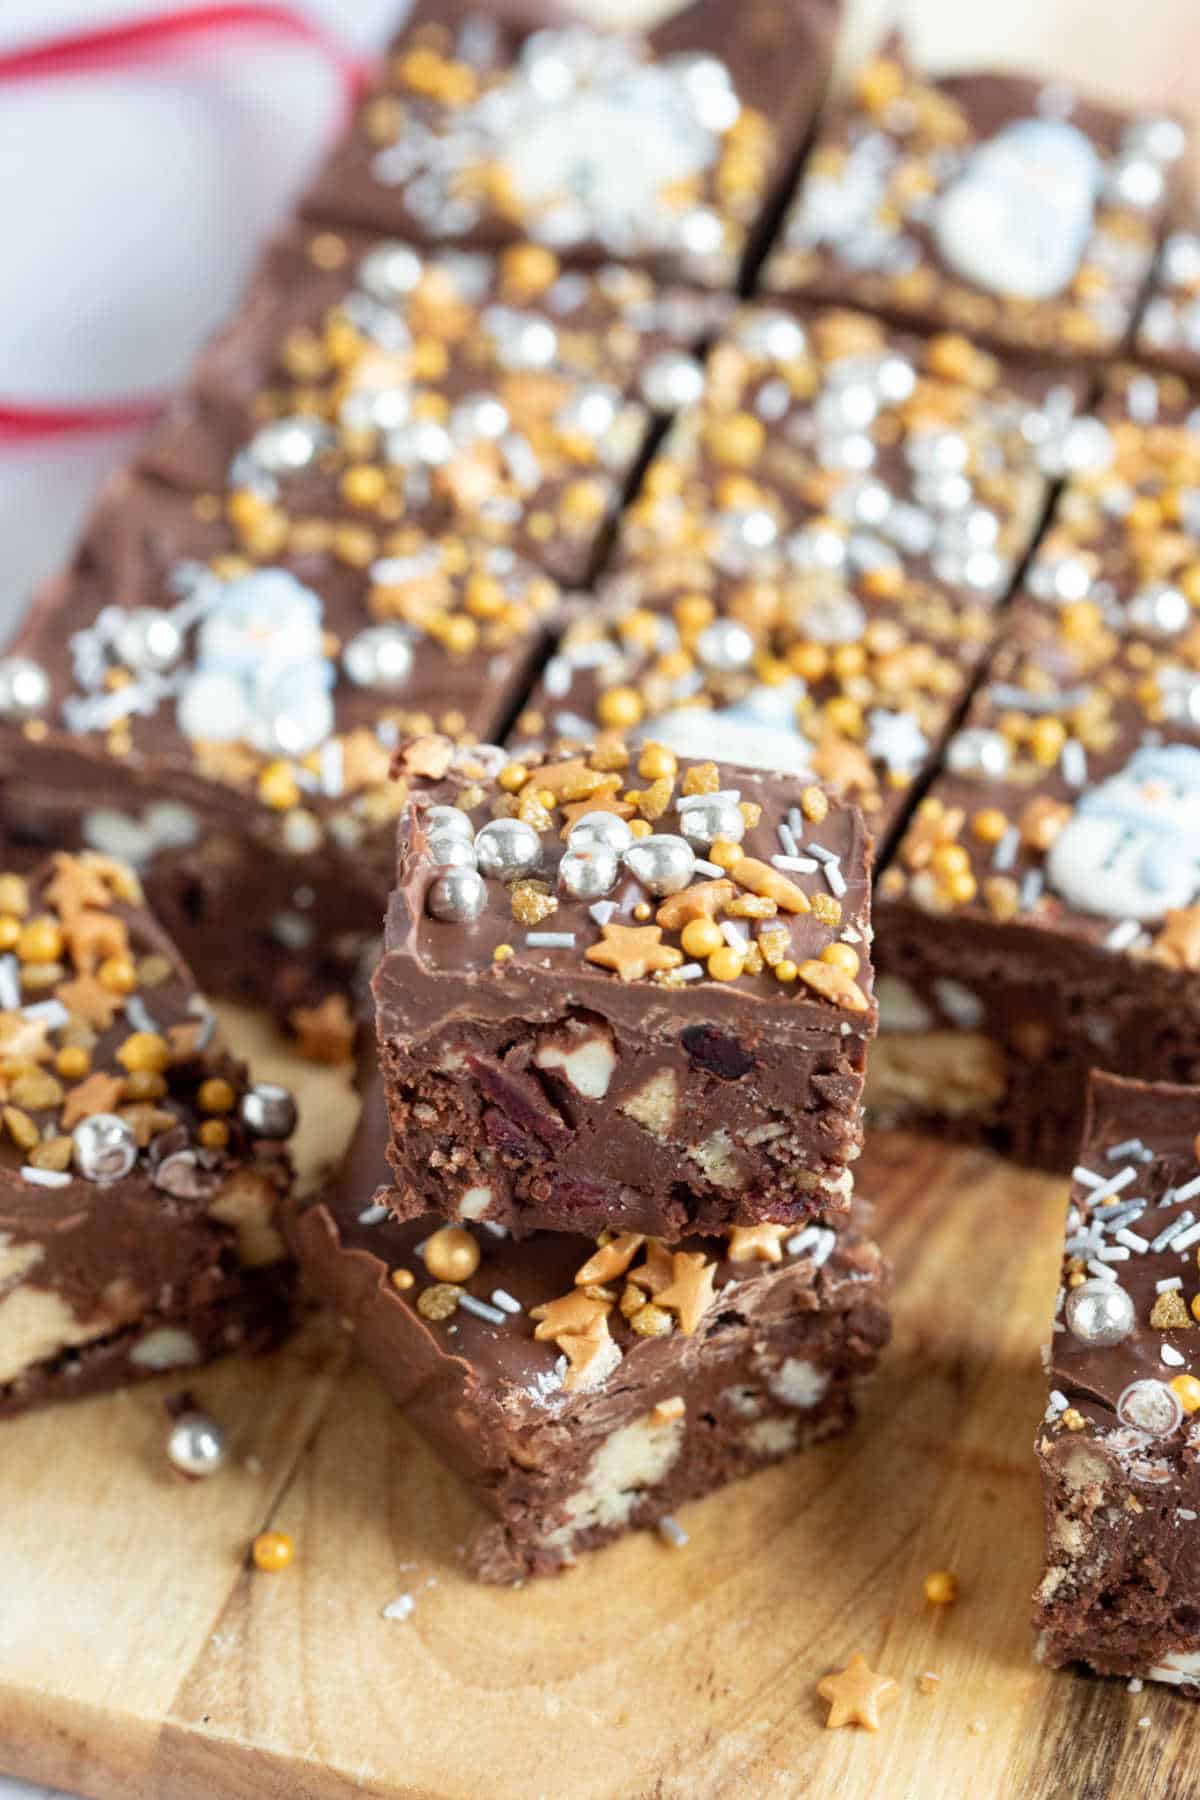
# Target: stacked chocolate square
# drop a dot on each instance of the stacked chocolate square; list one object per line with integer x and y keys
{"x": 623, "y": 1010}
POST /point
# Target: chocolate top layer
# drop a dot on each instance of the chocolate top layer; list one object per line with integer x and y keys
{"x": 1126, "y": 1336}
{"x": 816, "y": 551}
{"x": 1071, "y": 799}
{"x": 663, "y": 148}
{"x": 111, "y": 1071}
{"x": 364, "y": 382}
{"x": 598, "y": 873}
{"x": 1009, "y": 208}
{"x": 288, "y": 683}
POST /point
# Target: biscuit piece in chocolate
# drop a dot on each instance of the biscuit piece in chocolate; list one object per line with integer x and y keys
{"x": 621, "y": 990}
{"x": 1117, "y": 1446}
{"x": 581, "y": 1387}
{"x": 141, "y": 1169}
{"x": 812, "y": 567}
{"x": 491, "y": 123}
{"x": 364, "y": 384}
{"x": 1042, "y": 916}
{"x": 994, "y": 204}
{"x": 227, "y": 724}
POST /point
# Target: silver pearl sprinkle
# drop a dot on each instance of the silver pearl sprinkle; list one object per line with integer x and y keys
{"x": 105, "y": 1147}
{"x": 672, "y": 380}
{"x": 1150, "y": 1406}
{"x": 479, "y": 416}
{"x": 451, "y": 820}
{"x": 447, "y": 850}
{"x": 458, "y": 896}
{"x": 599, "y": 831}
{"x": 771, "y": 334}
{"x": 196, "y": 1444}
{"x": 24, "y": 687}
{"x": 508, "y": 849}
{"x": 1160, "y": 609}
{"x": 390, "y": 271}
{"x": 979, "y": 752}
{"x": 423, "y": 441}
{"x": 725, "y": 646}
{"x": 148, "y": 639}
{"x": 1099, "y": 1312}
{"x": 380, "y": 658}
{"x": 286, "y": 446}
{"x": 268, "y": 1110}
{"x": 707, "y": 820}
{"x": 662, "y": 863}
{"x": 588, "y": 874}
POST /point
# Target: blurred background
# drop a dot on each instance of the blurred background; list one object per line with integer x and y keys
{"x": 132, "y": 202}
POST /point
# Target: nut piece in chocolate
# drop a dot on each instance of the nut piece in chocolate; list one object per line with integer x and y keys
{"x": 994, "y": 204}
{"x": 581, "y": 1387}
{"x": 664, "y": 149}
{"x": 620, "y": 988}
{"x": 141, "y": 1168}
{"x": 1117, "y": 1446}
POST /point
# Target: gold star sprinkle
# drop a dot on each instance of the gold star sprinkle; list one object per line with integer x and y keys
{"x": 633, "y": 951}
{"x": 612, "y": 1259}
{"x": 74, "y": 887}
{"x": 88, "y": 999}
{"x": 592, "y": 1355}
{"x": 691, "y": 1291}
{"x": 757, "y": 1243}
{"x": 98, "y": 1094}
{"x": 571, "y": 1315}
{"x": 657, "y": 1272}
{"x": 1178, "y": 942}
{"x": 855, "y": 1695}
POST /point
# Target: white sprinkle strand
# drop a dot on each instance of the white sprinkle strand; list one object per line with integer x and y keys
{"x": 1120, "y": 1152}
{"x": 549, "y": 940}
{"x": 690, "y": 971}
{"x": 481, "y": 1309}
{"x": 822, "y": 854}
{"x": 734, "y": 936}
{"x": 374, "y": 1215}
{"x": 1113, "y": 1253}
{"x": 672, "y": 1532}
{"x": 1170, "y": 1232}
{"x": 45, "y": 1177}
{"x": 1116, "y": 1184}
{"x": 505, "y": 1301}
{"x": 1058, "y": 1400}
{"x": 1085, "y": 1177}
{"x": 54, "y": 1014}
{"x": 835, "y": 879}
{"x": 787, "y": 838}
{"x": 1005, "y": 853}
{"x": 1123, "y": 935}
{"x": 796, "y": 865}
{"x": 1173, "y": 1358}
{"x": 823, "y": 1249}
{"x": 1073, "y": 763}
{"x": 1102, "y": 1270}
{"x": 1132, "y": 1240}
{"x": 1187, "y": 1238}
{"x": 1168, "y": 1284}
{"x": 711, "y": 871}
{"x": 602, "y": 911}
{"x": 1190, "y": 1190}
{"x": 496, "y": 1229}
{"x": 10, "y": 984}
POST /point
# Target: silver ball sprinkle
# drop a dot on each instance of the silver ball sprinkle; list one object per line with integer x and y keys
{"x": 390, "y": 271}
{"x": 379, "y": 658}
{"x": 105, "y": 1147}
{"x": 447, "y": 850}
{"x": 980, "y": 753}
{"x": 457, "y": 897}
{"x": 479, "y": 416}
{"x": 1160, "y": 609}
{"x": 148, "y": 639}
{"x": 268, "y": 1110}
{"x": 599, "y": 831}
{"x": 423, "y": 441}
{"x": 588, "y": 874}
{"x": 24, "y": 687}
{"x": 701, "y": 232}
{"x": 771, "y": 334}
{"x": 706, "y": 820}
{"x": 1100, "y": 1313}
{"x": 672, "y": 380}
{"x": 663, "y": 863}
{"x": 725, "y": 646}
{"x": 196, "y": 1444}
{"x": 1150, "y": 1406}
{"x": 286, "y": 446}
{"x": 508, "y": 849}
{"x": 590, "y": 410}
{"x": 451, "y": 820}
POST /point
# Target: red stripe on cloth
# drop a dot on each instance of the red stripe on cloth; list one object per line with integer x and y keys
{"x": 136, "y": 43}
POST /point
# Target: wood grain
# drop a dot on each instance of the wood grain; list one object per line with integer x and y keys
{"x": 140, "y": 1658}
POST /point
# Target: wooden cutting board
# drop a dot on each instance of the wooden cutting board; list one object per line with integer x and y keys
{"x": 140, "y": 1658}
